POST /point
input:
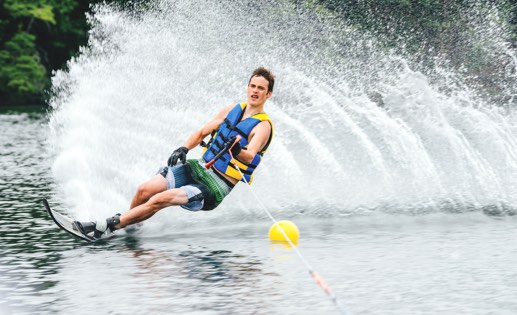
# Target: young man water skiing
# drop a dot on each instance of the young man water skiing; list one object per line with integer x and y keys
{"x": 242, "y": 131}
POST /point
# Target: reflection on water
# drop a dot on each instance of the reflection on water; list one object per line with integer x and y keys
{"x": 189, "y": 278}
{"x": 210, "y": 266}
{"x": 160, "y": 277}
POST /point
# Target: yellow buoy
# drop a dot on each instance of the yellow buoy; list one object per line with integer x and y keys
{"x": 290, "y": 229}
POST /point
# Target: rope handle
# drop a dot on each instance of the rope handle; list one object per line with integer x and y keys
{"x": 209, "y": 164}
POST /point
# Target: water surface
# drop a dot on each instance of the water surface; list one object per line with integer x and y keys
{"x": 446, "y": 263}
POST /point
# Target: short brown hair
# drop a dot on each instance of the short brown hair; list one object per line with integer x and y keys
{"x": 266, "y": 74}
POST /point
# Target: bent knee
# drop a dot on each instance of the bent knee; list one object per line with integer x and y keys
{"x": 144, "y": 192}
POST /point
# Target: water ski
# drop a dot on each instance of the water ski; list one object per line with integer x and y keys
{"x": 67, "y": 224}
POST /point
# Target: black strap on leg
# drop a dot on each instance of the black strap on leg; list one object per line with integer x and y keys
{"x": 113, "y": 221}
{"x": 163, "y": 171}
{"x": 197, "y": 197}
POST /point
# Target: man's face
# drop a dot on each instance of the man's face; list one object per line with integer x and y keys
{"x": 258, "y": 91}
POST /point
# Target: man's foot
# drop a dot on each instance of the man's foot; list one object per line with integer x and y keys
{"x": 96, "y": 229}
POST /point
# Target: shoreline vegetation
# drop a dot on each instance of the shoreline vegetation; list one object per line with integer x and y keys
{"x": 38, "y": 37}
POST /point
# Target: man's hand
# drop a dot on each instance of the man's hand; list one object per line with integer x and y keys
{"x": 236, "y": 149}
{"x": 179, "y": 153}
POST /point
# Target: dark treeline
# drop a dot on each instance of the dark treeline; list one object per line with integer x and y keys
{"x": 39, "y": 36}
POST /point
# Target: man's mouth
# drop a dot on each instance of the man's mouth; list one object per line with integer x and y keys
{"x": 255, "y": 97}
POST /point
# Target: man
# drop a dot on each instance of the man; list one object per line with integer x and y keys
{"x": 244, "y": 127}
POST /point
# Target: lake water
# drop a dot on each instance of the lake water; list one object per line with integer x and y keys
{"x": 376, "y": 263}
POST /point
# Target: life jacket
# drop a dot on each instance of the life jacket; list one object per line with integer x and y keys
{"x": 233, "y": 126}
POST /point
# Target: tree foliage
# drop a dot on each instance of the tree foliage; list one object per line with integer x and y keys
{"x": 22, "y": 76}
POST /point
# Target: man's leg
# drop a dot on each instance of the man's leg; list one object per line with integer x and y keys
{"x": 167, "y": 198}
{"x": 151, "y": 187}
{"x": 155, "y": 185}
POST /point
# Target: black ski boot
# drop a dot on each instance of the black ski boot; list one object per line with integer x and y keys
{"x": 96, "y": 230}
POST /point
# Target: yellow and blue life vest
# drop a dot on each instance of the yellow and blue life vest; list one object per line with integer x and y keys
{"x": 233, "y": 126}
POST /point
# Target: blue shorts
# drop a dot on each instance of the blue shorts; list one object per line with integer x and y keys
{"x": 179, "y": 177}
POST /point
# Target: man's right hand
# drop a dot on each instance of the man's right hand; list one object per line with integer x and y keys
{"x": 179, "y": 153}
{"x": 234, "y": 145}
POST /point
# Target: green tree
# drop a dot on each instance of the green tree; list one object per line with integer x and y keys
{"x": 22, "y": 77}
{"x": 37, "y": 37}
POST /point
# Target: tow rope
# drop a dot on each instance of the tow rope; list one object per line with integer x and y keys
{"x": 317, "y": 278}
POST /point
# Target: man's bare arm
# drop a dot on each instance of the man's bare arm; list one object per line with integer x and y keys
{"x": 259, "y": 137}
{"x": 198, "y": 136}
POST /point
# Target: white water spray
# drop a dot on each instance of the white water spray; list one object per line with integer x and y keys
{"x": 148, "y": 79}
